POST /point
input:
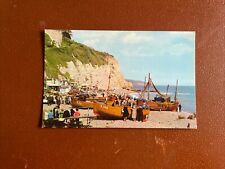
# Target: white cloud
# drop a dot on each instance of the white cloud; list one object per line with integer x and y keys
{"x": 133, "y": 38}
{"x": 137, "y": 52}
{"x": 91, "y": 42}
{"x": 188, "y": 35}
{"x": 180, "y": 50}
{"x": 100, "y": 40}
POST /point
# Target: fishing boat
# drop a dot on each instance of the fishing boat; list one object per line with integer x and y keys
{"x": 163, "y": 106}
{"x": 107, "y": 111}
{"x": 162, "y": 102}
{"x": 87, "y": 103}
{"x": 76, "y": 103}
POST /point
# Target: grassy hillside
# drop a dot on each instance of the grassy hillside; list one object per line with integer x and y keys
{"x": 56, "y": 57}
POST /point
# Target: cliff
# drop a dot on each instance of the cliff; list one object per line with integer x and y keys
{"x": 67, "y": 59}
{"x": 55, "y": 35}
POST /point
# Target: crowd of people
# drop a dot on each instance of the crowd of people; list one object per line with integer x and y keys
{"x": 136, "y": 106}
{"x": 136, "y": 113}
{"x": 128, "y": 101}
{"x": 61, "y": 117}
{"x": 58, "y": 99}
{"x": 61, "y": 113}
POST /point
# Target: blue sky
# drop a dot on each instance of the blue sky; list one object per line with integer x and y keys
{"x": 167, "y": 55}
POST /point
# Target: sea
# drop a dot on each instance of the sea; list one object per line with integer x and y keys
{"x": 185, "y": 95}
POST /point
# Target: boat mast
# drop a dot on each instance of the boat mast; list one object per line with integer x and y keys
{"x": 109, "y": 81}
{"x": 107, "y": 93}
{"x": 144, "y": 83}
{"x": 108, "y": 84}
{"x": 167, "y": 89}
{"x": 175, "y": 97}
{"x": 148, "y": 86}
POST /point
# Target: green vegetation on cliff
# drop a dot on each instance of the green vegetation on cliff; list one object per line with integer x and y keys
{"x": 56, "y": 57}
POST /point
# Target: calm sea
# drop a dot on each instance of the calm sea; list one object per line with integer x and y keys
{"x": 186, "y": 95}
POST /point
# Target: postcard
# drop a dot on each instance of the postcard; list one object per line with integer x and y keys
{"x": 119, "y": 79}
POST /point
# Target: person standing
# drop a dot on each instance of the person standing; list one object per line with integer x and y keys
{"x": 56, "y": 112}
{"x": 77, "y": 115}
{"x": 58, "y": 101}
{"x": 45, "y": 115}
{"x": 70, "y": 99}
{"x": 141, "y": 115}
{"x": 72, "y": 112}
{"x": 50, "y": 115}
{"x": 138, "y": 114}
{"x": 125, "y": 113}
{"x": 180, "y": 107}
{"x": 61, "y": 113}
{"x": 134, "y": 113}
{"x": 66, "y": 114}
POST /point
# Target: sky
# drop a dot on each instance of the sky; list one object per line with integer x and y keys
{"x": 167, "y": 55}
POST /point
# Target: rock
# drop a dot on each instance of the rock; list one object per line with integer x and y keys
{"x": 189, "y": 125}
{"x": 194, "y": 115}
{"x": 191, "y": 117}
{"x": 180, "y": 116}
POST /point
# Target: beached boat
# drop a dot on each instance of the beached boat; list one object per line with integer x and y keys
{"x": 107, "y": 111}
{"x": 82, "y": 104}
{"x": 88, "y": 102}
{"x": 163, "y": 106}
{"x": 162, "y": 101}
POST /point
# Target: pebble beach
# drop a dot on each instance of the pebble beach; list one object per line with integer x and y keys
{"x": 156, "y": 119}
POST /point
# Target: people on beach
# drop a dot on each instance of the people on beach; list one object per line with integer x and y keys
{"x": 61, "y": 113}
{"x": 139, "y": 114}
{"x": 124, "y": 103}
{"x": 50, "y": 100}
{"x": 134, "y": 113}
{"x": 66, "y": 113}
{"x": 125, "y": 113}
{"x": 68, "y": 100}
{"x": 45, "y": 115}
{"x": 58, "y": 101}
{"x": 77, "y": 114}
{"x": 113, "y": 104}
{"x": 144, "y": 106}
{"x": 56, "y": 112}
{"x": 50, "y": 115}
{"x": 72, "y": 112}
{"x": 180, "y": 107}
{"x": 117, "y": 102}
{"x": 127, "y": 103}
